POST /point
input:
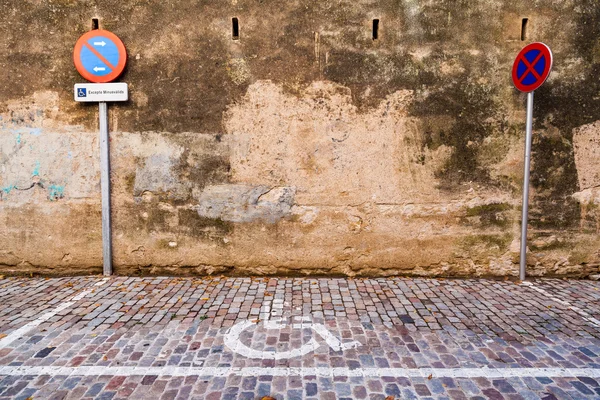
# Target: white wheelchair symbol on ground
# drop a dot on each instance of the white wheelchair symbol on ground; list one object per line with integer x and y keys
{"x": 232, "y": 340}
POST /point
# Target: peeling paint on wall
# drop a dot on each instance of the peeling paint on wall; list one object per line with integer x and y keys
{"x": 243, "y": 203}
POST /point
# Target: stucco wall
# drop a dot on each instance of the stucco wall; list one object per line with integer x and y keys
{"x": 304, "y": 147}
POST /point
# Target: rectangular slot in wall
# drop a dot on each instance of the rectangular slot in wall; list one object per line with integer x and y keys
{"x": 235, "y": 29}
{"x": 375, "y": 29}
{"x": 524, "y": 24}
{"x": 94, "y": 23}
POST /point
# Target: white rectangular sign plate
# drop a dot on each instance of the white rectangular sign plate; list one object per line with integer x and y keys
{"x": 101, "y": 92}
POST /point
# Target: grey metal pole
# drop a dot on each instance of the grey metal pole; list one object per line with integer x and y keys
{"x": 528, "y": 138}
{"x": 105, "y": 188}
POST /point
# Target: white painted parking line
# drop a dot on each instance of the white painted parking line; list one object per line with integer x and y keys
{"x": 15, "y": 335}
{"x": 595, "y": 322}
{"x": 320, "y": 371}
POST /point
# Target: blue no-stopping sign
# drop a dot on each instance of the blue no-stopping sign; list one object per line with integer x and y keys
{"x": 532, "y": 67}
{"x": 100, "y": 56}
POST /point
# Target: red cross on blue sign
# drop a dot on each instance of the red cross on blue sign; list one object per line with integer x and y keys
{"x": 532, "y": 67}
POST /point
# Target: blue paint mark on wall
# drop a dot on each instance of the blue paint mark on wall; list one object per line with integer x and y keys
{"x": 5, "y": 191}
{"x": 19, "y": 138}
{"x": 8, "y": 189}
{"x": 31, "y": 131}
{"x": 56, "y": 192}
{"x": 36, "y": 171}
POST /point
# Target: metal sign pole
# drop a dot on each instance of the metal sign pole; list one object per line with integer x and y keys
{"x": 91, "y": 56}
{"x": 524, "y": 218}
{"x": 105, "y": 188}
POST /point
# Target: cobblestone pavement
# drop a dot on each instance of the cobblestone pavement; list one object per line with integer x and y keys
{"x": 243, "y": 338}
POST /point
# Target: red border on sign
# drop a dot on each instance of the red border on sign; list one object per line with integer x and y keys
{"x": 116, "y": 69}
{"x": 546, "y": 52}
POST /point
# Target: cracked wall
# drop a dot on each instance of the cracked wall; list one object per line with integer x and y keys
{"x": 306, "y": 146}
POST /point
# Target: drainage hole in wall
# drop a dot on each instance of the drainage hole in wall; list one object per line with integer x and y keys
{"x": 235, "y": 29}
{"x": 375, "y": 29}
{"x": 524, "y": 24}
{"x": 94, "y": 23}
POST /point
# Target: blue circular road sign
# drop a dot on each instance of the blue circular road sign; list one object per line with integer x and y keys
{"x": 100, "y": 56}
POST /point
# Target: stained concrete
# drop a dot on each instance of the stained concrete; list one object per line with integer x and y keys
{"x": 304, "y": 146}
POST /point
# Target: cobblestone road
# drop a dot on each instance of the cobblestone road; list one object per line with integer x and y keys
{"x": 242, "y": 338}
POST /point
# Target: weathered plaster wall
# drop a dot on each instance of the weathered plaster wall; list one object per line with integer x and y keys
{"x": 304, "y": 147}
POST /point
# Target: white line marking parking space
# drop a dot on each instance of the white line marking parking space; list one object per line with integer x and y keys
{"x": 15, "y": 335}
{"x": 578, "y": 310}
{"x": 295, "y": 371}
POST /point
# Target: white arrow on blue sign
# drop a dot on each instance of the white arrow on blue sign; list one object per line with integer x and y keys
{"x": 101, "y": 58}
